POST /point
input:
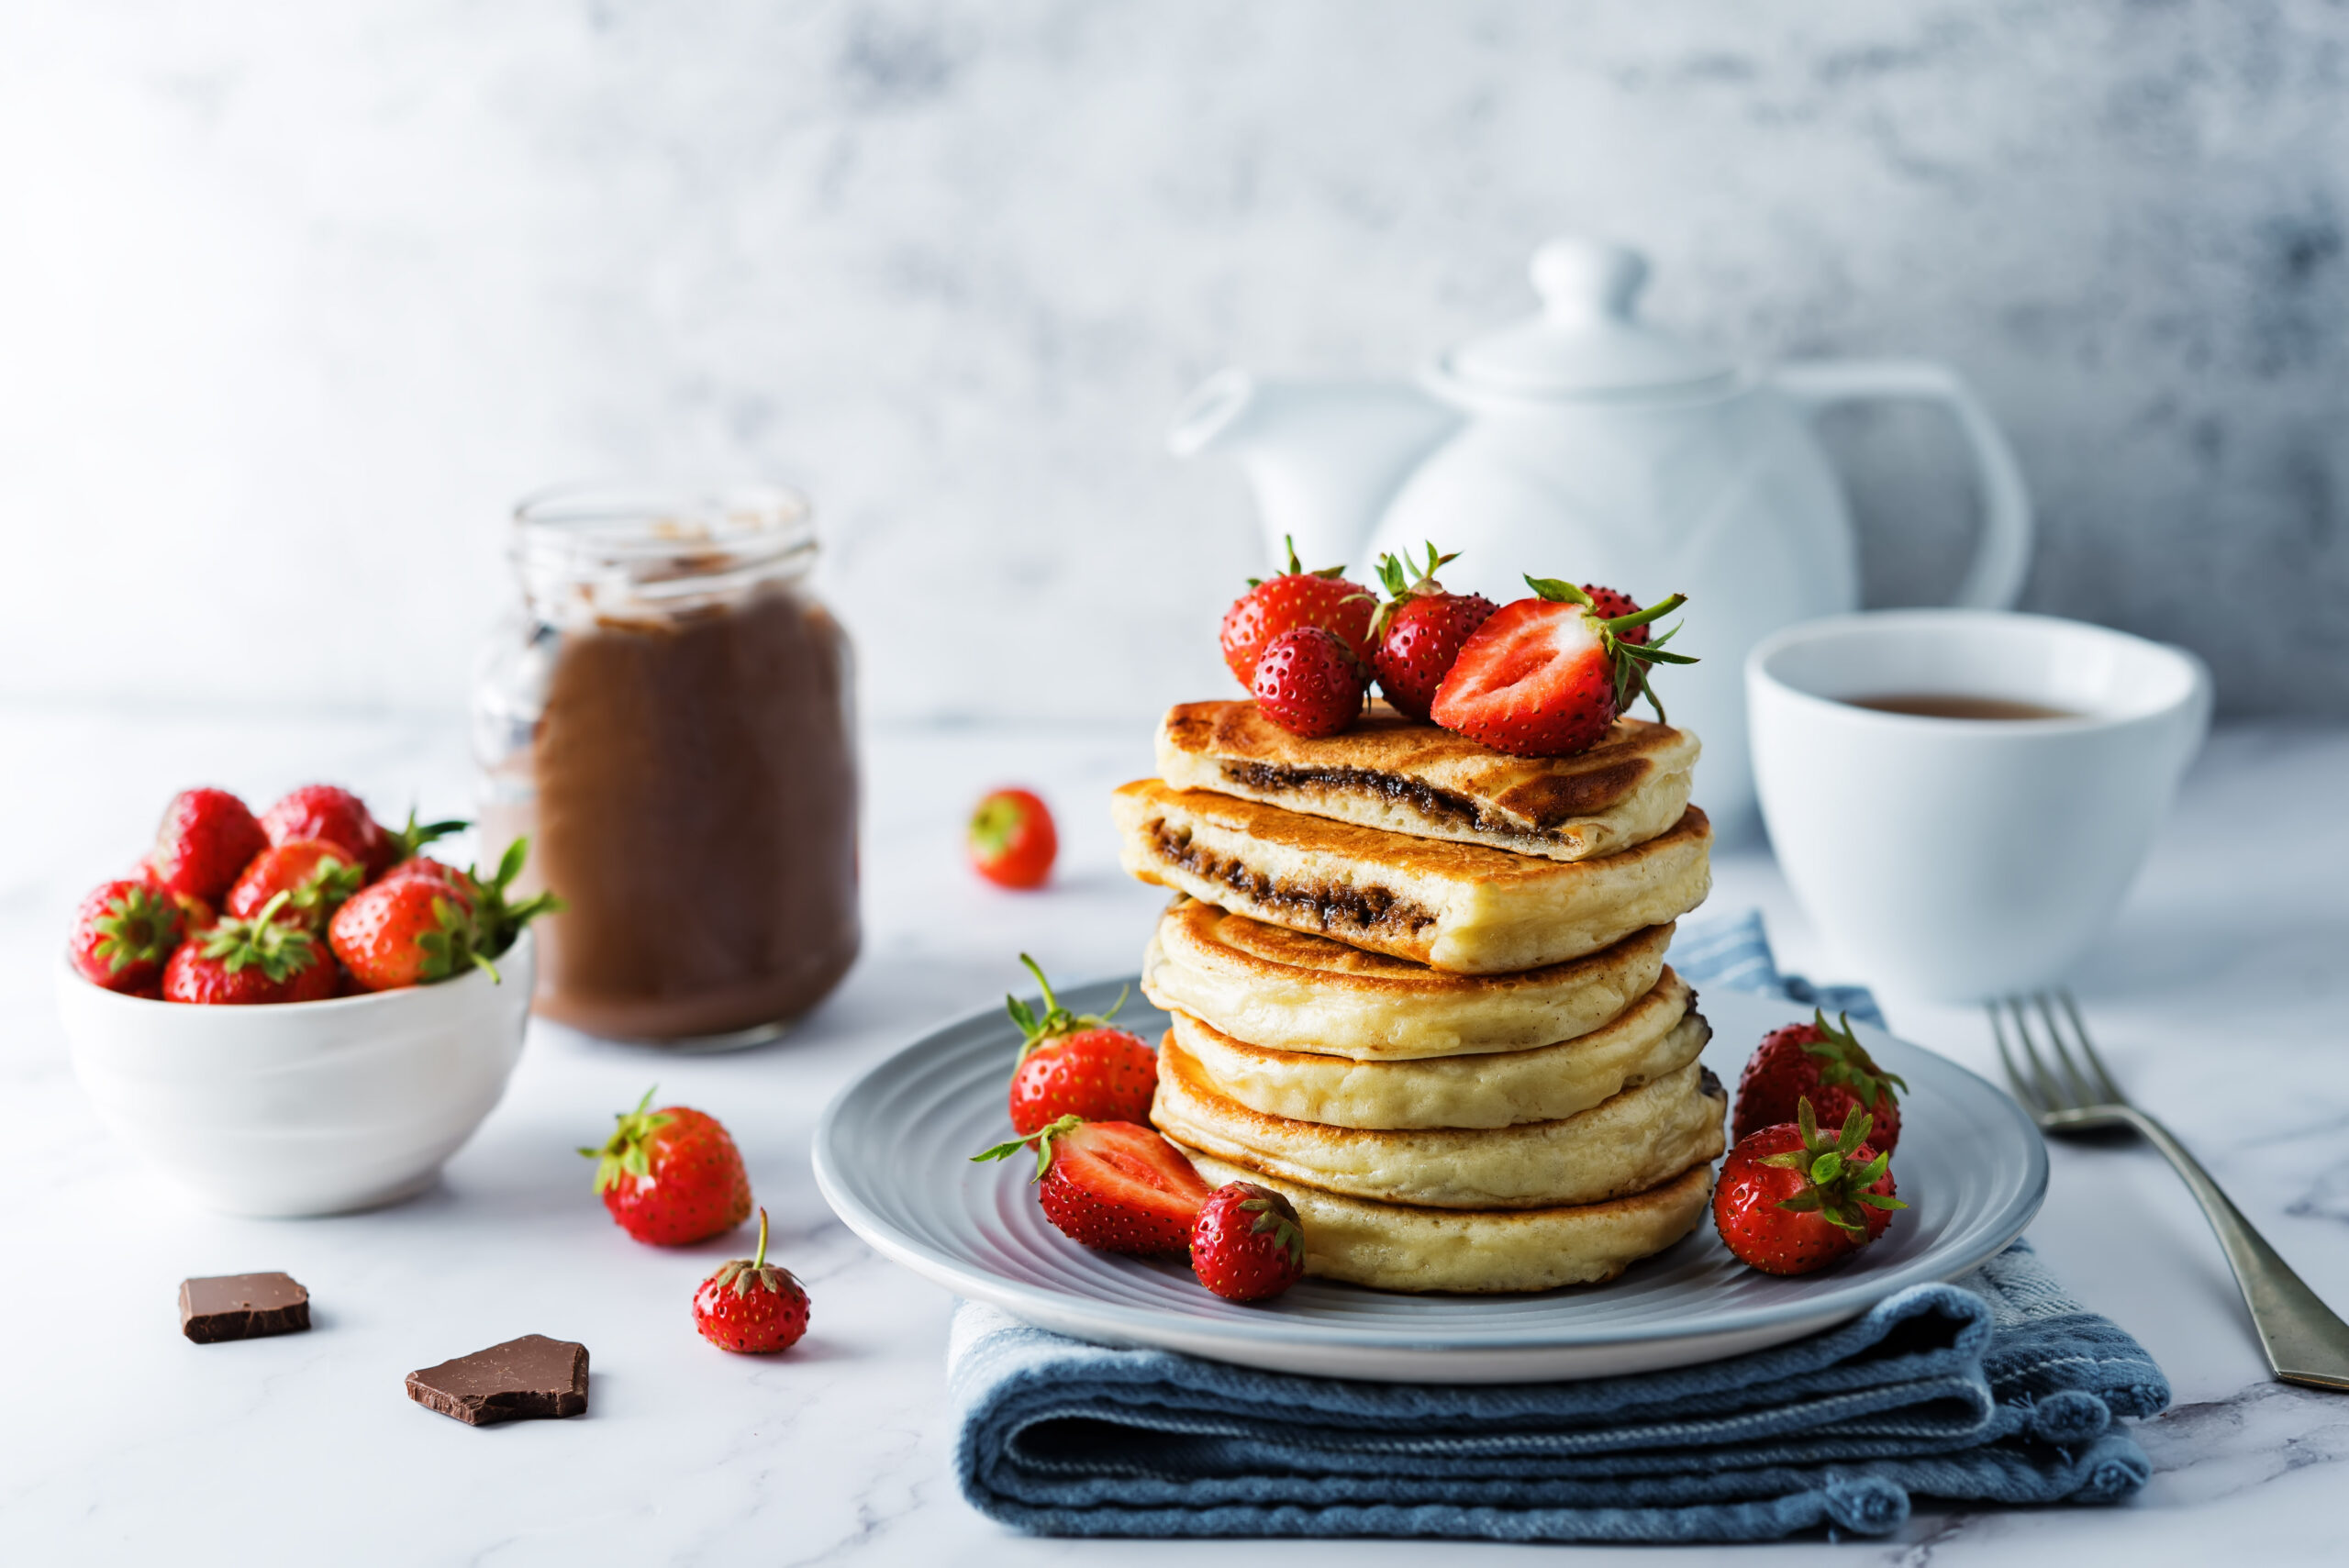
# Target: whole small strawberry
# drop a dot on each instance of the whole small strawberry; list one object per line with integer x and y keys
{"x": 207, "y": 838}
{"x": 1791, "y": 1200}
{"x": 1011, "y": 839}
{"x": 497, "y": 918}
{"x": 405, "y": 931}
{"x": 1114, "y": 1186}
{"x": 752, "y": 1306}
{"x": 1827, "y": 1065}
{"x": 1076, "y": 1064}
{"x": 249, "y": 962}
{"x": 1309, "y": 684}
{"x": 1275, "y": 605}
{"x": 333, "y": 813}
{"x": 315, "y": 876}
{"x": 123, "y": 934}
{"x": 672, "y": 1176}
{"x": 1247, "y": 1243}
{"x": 1547, "y": 676}
{"x": 1420, "y": 630}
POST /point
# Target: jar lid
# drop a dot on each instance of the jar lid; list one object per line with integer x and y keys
{"x": 615, "y": 554}
{"x": 1587, "y": 341}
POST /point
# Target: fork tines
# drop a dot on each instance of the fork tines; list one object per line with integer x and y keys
{"x": 2068, "y": 1047}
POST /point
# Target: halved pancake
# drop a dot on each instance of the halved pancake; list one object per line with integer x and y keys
{"x": 1479, "y": 1252}
{"x": 1458, "y": 907}
{"x": 1294, "y": 991}
{"x": 1626, "y": 1144}
{"x": 1657, "y": 1037}
{"x": 1408, "y": 776}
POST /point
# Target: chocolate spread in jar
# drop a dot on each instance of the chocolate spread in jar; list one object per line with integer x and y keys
{"x": 696, "y": 807}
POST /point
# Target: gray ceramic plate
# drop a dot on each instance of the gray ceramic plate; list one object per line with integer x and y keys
{"x": 892, "y": 1157}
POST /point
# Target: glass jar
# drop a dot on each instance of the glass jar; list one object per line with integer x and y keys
{"x": 669, "y": 721}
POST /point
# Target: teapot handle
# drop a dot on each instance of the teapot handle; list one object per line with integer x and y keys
{"x": 2002, "y": 558}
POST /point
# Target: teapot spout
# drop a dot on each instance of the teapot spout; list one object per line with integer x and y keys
{"x": 1322, "y": 457}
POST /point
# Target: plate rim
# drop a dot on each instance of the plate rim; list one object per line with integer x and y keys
{"x": 1135, "y": 1323}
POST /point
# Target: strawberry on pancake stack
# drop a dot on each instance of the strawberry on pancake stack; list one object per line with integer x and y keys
{"x": 1416, "y": 958}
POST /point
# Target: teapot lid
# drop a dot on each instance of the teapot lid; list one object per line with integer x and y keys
{"x": 1586, "y": 342}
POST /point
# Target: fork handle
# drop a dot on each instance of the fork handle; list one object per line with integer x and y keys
{"x": 2306, "y": 1342}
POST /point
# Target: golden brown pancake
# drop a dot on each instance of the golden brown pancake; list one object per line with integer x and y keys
{"x": 1479, "y": 1252}
{"x": 1658, "y": 1035}
{"x": 1411, "y": 777}
{"x": 1294, "y": 991}
{"x": 1461, "y": 907}
{"x": 1626, "y": 1144}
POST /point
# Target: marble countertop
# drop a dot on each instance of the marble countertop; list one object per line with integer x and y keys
{"x": 2220, "y": 998}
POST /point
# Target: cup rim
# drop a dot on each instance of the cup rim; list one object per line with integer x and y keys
{"x": 2194, "y": 689}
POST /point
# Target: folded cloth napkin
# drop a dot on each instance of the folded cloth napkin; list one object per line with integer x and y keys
{"x": 1997, "y": 1388}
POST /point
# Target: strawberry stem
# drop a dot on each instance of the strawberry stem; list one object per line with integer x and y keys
{"x": 758, "y": 1259}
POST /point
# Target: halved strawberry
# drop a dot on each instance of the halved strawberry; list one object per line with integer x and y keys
{"x": 1420, "y": 630}
{"x": 1295, "y": 598}
{"x": 1547, "y": 676}
{"x": 1114, "y": 1186}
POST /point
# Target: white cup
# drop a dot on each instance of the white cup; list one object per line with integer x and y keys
{"x": 1965, "y": 858}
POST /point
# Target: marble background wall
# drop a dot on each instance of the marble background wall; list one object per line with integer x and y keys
{"x": 295, "y": 300}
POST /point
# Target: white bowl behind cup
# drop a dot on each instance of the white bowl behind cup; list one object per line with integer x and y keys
{"x": 306, "y": 1109}
{"x": 1967, "y": 858}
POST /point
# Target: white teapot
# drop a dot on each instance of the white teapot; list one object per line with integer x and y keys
{"x": 1584, "y": 443}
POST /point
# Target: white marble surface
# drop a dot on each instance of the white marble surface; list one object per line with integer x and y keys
{"x": 2220, "y": 998}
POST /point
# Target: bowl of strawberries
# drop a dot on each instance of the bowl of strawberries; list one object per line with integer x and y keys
{"x": 297, "y": 1013}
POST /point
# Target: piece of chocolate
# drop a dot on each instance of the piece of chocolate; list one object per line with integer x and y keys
{"x": 242, "y": 1306}
{"x": 531, "y": 1378}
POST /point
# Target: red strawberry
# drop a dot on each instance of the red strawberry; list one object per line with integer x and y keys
{"x": 425, "y": 869}
{"x": 1309, "y": 684}
{"x": 242, "y": 962}
{"x": 1076, "y": 1064}
{"x": 206, "y": 837}
{"x": 315, "y": 876}
{"x": 1608, "y": 604}
{"x": 752, "y": 1306}
{"x": 1830, "y": 1066}
{"x": 1295, "y": 598}
{"x": 1247, "y": 1243}
{"x": 333, "y": 813}
{"x": 672, "y": 1176}
{"x": 1791, "y": 1200}
{"x": 496, "y": 922}
{"x": 1116, "y": 1186}
{"x": 123, "y": 934}
{"x": 1546, "y": 677}
{"x": 405, "y": 931}
{"x": 1011, "y": 839}
{"x": 1420, "y": 630}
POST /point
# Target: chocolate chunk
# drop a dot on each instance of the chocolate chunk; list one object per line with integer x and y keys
{"x": 531, "y": 1378}
{"x": 242, "y": 1306}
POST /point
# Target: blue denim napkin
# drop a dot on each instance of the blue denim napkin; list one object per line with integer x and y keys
{"x": 1999, "y": 1388}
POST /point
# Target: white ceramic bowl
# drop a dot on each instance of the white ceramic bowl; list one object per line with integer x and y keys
{"x": 306, "y": 1109}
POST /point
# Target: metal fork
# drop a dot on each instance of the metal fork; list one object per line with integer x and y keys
{"x": 2305, "y": 1341}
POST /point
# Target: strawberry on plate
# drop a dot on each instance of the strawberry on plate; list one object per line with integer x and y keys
{"x": 1272, "y": 606}
{"x": 205, "y": 841}
{"x": 1547, "y": 676}
{"x": 1791, "y": 1200}
{"x": 333, "y": 813}
{"x": 249, "y": 962}
{"x": 672, "y": 1176}
{"x": 1420, "y": 630}
{"x": 1247, "y": 1243}
{"x": 1309, "y": 682}
{"x": 1011, "y": 838}
{"x": 123, "y": 934}
{"x": 1114, "y": 1185}
{"x": 1827, "y": 1065}
{"x": 315, "y": 876}
{"x": 1076, "y": 1064}
{"x": 405, "y": 931}
{"x": 752, "y": 1306}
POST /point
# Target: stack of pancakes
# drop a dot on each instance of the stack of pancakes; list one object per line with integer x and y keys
{"x": 1419, "y": 986}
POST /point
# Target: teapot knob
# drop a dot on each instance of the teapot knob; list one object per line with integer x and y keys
{"x": 1587, "y": 281}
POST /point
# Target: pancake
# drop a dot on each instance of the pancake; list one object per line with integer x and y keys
{"x": 1626, "y": 1144}
{"x": 1293, "y": 991}
{"x": 1461, "y": 907}
{"x": 1479, "y": 1252}
{"x": 1407, "y": 776}
{"x": 1657, "y": 1037}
